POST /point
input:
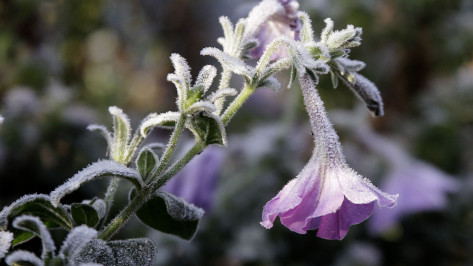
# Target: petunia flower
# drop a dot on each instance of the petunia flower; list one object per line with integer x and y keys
{"x": 269, "y": 20}
{"x": 197, "y": 181}
{"x": 423, "y": 187}
{"x": 327, "y": 194}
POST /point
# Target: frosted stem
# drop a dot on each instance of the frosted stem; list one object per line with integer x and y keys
{"x": 237, "y": 103}
{"x": 171, "y": 146}
{"x": 325, "y": 137}
{"x": 109, "y": 195}
{"x": 224, "y": 83}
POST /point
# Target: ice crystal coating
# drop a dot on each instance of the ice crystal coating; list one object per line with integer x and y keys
{"x": 197, "y": 181}
{"x": 139, "y": 251}
{"x": 155, "y": 120}
{"x": 327, "y": 194}
{"x": 95, "y": 251}
{"x": 5, "y": 242}
{"x": 269, "y": 20}
{"x": 76, "y": 240}
{"x": 96, "y": 170}
{"x": 23, "y": 256}
{"x": 36, "y": 226}
{"x": 234, "y": 64}
{"x": 422, "y": 186}
{"x": 206, "y": 77}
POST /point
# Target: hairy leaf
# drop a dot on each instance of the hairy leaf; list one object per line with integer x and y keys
{"x": 164, "y": 120}
{"x": 36, "y": 226}
{"x": 76, "y": 240}
{"x": 22, "y": 257}
{"x": 121, "y": 133}
{"x": 94, "y": 251}
{"x": 139, "y": 251}
{"x": 146, "y": 162}
{"x": 105, "y": 168}
{"x": 170, "y": 214}
{"x": 83, "y": 213}
{"x": 6, "y": 239}
{"x": 208, "y": 128}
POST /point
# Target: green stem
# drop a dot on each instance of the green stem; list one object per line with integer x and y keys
{"x": 237, "y": 103}
{"x": 196, "y": 149}
{"x": 122, "y": 217}
{"x": 170, "y": 147}
{"x": 140, "y": 199}
{"x": 109, "y": 195}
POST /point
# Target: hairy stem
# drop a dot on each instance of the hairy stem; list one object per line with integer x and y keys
{"x": 109, "y": 195}
{"x": 171, "y": 146}
{"x": 237, "y": 103}
{"x": 123, "y": 217}
{"x": 224, "y": 83}
{"x": 196, "y": 149}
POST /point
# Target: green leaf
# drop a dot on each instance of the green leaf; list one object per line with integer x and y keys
{"x": 36, "y": 226}
{"x": 164, "y": 120}
{"x": 146, "y": 162}
{"x": 83, "y": 213}
{"x": 138, "y": 251}
{"x": 105, "y": 168}
{"x": 208, "y": 128}
{"x": 121, "y": 133}
{"x": 170, "y": 214}
{"x": 38, "y": 205}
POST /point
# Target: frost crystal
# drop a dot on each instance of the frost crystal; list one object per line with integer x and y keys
{"x": 36, "y": 226}
{"x": 23, "y": 256}
{"x": 93, "y": 171}
{"x": 76, "y": 240}
{"x": 5, "y": 241}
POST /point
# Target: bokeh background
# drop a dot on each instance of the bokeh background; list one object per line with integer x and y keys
{"x": 62, "y": 63}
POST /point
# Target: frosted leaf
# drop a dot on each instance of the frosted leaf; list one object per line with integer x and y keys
{"x": 5, "y": 242}
{"x": 95, "y": 251}
{"x": 206, "y": 77}
{"x": 103, "y": 131}
{"x": 277, "y": 66}
{"x": 146, "y": 162}
{"x": 181, "y": 87}
{"x": 140, "y": 251}
{"x": 366, "y": 91}
{"x": 238, "y": 38}
{"x": 232, "y": 63}
{"x": 307, "y": 34}
{"x": 351, "y": 65}
{"x": 100, "y": 206}
{"x": 327, "y": 30}
{"x": 36, "y": 226}
{"x": 208, "y": 127}
{"x": 104, "y": 168}
{"x": 222, "y": 93}
{"x": 121, "y": 133}
{"x": 181, "y": 68}
{"x": 76, "y": 240}
{"x": 40, "y": 205}
{"x": 164, "y": 120}
{"x": 17, "y": 257}
{"x": 270, "y": 82}
{"x": 201, "y": 106}
{"x": 334, "y": 79}
{"x": 227, "y": 27}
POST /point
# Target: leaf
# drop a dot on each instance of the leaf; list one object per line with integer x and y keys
{"x": 208, "y": 128}
{"x": 233, "y": 64}
{"x": 103, "y": 131}
{"x": 6, "y": 239}
{"x": 222, "y": 93}
{"x": 307, "y": 34}
{"x": 105, "y": 168}
{"x": 146, "y": 162}
{"x": 139, "y": 251}
{"x": 170, "y": 214}
{"x": 22, "y": 257}
{"x": 206, "y": 77}
{"x": 270, "y": 82}
{"x": 76, "y": 240}
{"x": 121, "y": 133}
{"x": 201, "y": 106}
{"x": 366, "y": 91}
{"x": 181, "y": 68}
{"x": 94, "y": 251}
{"x": 164, "y": 120}
{"x": 38, "y": 205}
{"x": 83, "y": 213}
{"x": 36, "y": 226}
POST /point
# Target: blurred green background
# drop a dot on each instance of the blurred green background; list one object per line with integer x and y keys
{"x": 63, "y": 62}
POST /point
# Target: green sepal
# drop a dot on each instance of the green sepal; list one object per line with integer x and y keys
{"x": 208, "y": 128}
{"x": 169, "y": 214}
{"x": 84, "y": 213}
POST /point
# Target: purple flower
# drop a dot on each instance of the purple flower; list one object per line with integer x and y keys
{"x": 422, "y": 186}
{"x": 327, "y": 194}
{"x": 197, "y": 181}
{"x": 269, "y": 20}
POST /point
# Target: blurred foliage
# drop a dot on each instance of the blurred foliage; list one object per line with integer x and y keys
{"x": 62, "y": 63}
